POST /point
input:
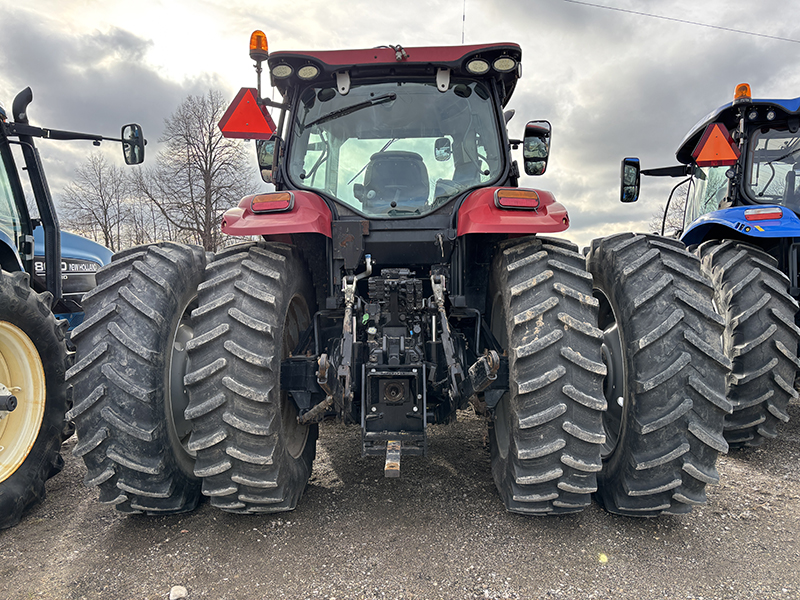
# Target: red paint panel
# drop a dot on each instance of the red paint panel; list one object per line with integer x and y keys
{"x": 434, "y": 54}
{"x": 478, "y": 214}
{"x": 310, "y": 214}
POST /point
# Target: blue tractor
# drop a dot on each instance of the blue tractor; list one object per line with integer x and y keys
{"x": 81, "y": 258}
{"x": 38, "y": 284}
{"x": 742, "y": 166}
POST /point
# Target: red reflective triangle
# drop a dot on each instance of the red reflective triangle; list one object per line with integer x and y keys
{"x": 246, "y": 119}
{"x": 716, "y": 148}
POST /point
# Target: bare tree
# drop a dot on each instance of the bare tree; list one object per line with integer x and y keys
{"x": 144, "y": 223}
{"x": 94, "y": 203}
{"x": 199, "y": 173}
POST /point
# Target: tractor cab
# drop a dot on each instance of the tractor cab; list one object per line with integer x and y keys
{"x": 391, "y": 132}
{"x": 744, "y": 156}
{"x": 409, "y": 151}
{"x": 388, "y": 133}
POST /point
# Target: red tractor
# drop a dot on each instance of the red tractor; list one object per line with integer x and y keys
{"x": 399, "y": 276}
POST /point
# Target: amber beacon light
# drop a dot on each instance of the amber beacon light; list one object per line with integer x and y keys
{"x": 742, "y": 93}
{"x": 259, "y": 50}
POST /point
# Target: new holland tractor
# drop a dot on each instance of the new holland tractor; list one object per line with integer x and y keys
{"x": 399, "y": 274}
{"x": 742, "y": 164}
{"x": 42, "y": 271}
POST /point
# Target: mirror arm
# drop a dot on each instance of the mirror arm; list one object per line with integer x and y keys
{"x": 273, "y": 104}
{"x": 677, "y": 171}
{"x": 53, "y": 134}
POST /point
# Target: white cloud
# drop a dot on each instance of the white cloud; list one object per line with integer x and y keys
{"x": 613, "y": 84}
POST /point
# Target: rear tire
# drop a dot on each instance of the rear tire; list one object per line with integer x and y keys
{"x": 547, "y": 429}
{"x": 667, "y": 373}
{"x": 760, "y": 337}
{"x": 33, "y": 361}
{"x": 128, "y": 381}
{"x": 252, "y": 455}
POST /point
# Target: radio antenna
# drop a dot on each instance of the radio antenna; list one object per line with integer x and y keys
{"x": 463, "y": 20}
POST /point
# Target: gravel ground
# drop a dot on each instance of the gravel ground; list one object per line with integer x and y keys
{"x": 440, "y": 531}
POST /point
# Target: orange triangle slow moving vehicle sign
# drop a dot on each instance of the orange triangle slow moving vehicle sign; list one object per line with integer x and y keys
{"x": 716, "y": 148}
{"x": 246, "y": 119}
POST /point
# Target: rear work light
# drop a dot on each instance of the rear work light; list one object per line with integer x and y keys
{"x": 275, "y": 202}
{"x": 308, "y": 72}
{"x": 282, "y": 71}
{"x": 504, "y": 64}
{"x": 763, "y": 214}
{"x": 516, "y": 199}
{"x": 477, "y": 66}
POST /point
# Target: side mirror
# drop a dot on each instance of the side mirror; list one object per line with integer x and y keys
{"x": 442, "y": 149}
{"x": 630, "y": 179}
{"x": 536, "y": 147}
{"x": 133, "y": 144}
{"x": 267, "y": 150}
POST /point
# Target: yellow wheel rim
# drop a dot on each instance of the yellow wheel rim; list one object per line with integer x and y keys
{"x": 21, "y": 371}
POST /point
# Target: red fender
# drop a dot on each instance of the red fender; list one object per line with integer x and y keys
{"x": 479, "y": 213}
{"x": 307, "y": 213}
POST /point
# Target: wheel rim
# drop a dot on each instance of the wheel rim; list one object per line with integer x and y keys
{"x": 177, "y": 399}
{"x": 614, "y": 382}
{"x": 502, "y": 433}
{"x": 295, "y": 435}
{"x": 22, "y": 372}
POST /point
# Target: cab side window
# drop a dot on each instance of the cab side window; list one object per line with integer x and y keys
{"x": 10, "y": 220}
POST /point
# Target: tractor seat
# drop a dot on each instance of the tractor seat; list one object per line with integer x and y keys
{"x": 394, "y": 180}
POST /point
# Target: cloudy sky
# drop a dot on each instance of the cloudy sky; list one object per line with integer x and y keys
{"x": 612, "y": 83}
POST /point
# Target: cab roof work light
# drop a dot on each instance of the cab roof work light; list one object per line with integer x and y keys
{"x": 716, "y": 148}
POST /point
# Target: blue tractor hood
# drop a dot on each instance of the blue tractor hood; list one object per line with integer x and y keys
{"x": 788, "y": 226}
{"x": 74, "y": 247}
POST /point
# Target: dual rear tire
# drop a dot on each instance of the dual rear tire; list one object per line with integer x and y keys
{"x": 663, "y": 344}
{"x": 547, "y": 429}
{"x": 252, "y": 454}
{"x": 177, "y": 383}
{"x": 617, "y": 375}
{"x": 761, "y": 337}
{"x": 615, "y": 361}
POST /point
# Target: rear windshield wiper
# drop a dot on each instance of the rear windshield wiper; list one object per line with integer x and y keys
{"x": 341, "y": 112}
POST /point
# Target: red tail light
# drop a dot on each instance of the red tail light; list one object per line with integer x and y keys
{"x": 274, "y": 202}
{"x": 516, "y": 199}
{"x": 763, "y": 214}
